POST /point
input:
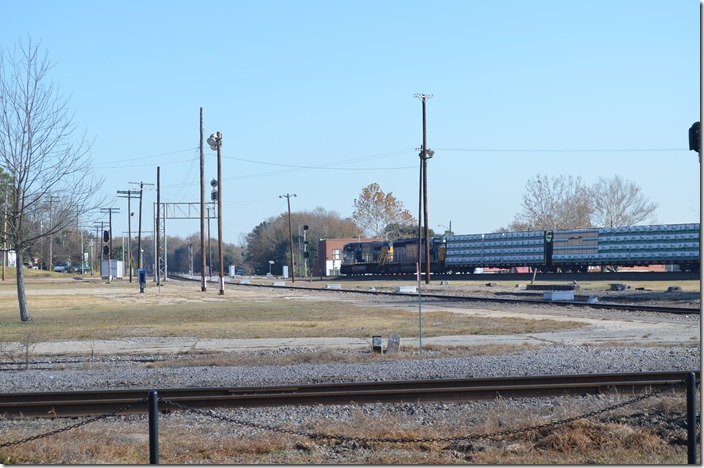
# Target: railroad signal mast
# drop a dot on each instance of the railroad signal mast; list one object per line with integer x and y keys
{"x": 695, "y": 141}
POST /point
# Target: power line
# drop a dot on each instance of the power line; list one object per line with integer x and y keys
{"x": 561, "y": 150}
{"x": 103, "y": 166}
{"x": 141, "y": 158}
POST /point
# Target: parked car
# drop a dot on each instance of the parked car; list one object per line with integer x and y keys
{"x": 61, "y": 267}
{"x": 30, "y": 266}
{"x": 84, "y": 268}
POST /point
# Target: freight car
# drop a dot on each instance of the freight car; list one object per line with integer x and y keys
{"x": 391, "y": 257}
{"x": 668, "y": 244}
{"x": 573, "y": 250}
{"x": 506, "y": 250}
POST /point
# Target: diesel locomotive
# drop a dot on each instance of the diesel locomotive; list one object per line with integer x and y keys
{"x": 573, "y": 250}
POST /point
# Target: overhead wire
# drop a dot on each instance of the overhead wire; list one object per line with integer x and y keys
{"x": 562, "y": 150}
{"x": 331, "y": 166}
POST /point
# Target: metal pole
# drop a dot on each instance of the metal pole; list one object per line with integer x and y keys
{"x": 128, "y": 194}
{"x": 153, "y": 427}
{"x": 210, "y": 252}
{"x": 203, "y": 283}
{"x": 110, "y": 247}
{"x": 691, "y": 418}
{"x": 220, "y": 252}
{"x": 290, "y": 239}
{"x": 157, "y": 229}
{"x": 139, "y": 233}
{"x": 290, "y": 235}
{"x": 418, "y": 262}
{"x": 129, "y": 233}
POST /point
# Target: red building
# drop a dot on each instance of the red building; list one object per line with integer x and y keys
{"x": 330, "y": 255}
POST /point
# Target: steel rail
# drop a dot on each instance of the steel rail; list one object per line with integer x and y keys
{"x": 567, "y": 277}
{"x": 96, "y": 402}
{"x": 504, "y": 300}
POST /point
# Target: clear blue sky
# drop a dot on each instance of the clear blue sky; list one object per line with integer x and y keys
{"x": 316, "y": 98}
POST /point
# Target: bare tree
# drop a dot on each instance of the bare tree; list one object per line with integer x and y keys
{"x": 376, "y": 212}
{"x": 553, "y": 203}
{"x": 41, "y": 154}
{"x": 618, "y": 202}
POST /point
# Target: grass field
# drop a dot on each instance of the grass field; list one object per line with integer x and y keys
{"x": 65, "y": 309}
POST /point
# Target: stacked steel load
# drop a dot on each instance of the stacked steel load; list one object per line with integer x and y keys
{"x": 499, "y": 250}
{"x": 666, "y": 244}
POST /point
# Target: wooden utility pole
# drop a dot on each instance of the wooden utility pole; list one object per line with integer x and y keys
{"x": 129, "y": 195}
{"x": 425, "y": 154}
{"x": 290, "y": 236}
{"x": 4, "y": 238}
{"x": 203, "y": 284}
{"x": 139, "y": 235}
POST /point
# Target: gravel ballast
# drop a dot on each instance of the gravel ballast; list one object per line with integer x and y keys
{"x": 109, "y": 373}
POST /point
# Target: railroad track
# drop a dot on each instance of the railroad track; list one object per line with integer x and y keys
{"x": 85, "y": 403}
{"x": 567, "y": 277}
{"x": 464, "y": 298}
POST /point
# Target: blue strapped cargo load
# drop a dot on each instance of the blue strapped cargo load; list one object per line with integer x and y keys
{"x": 665, "y": 244}
{"x": 500, "y": 250}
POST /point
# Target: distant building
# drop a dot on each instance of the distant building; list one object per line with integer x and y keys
{"x": 330, "y": 255}
{"x": 11, "y": 259}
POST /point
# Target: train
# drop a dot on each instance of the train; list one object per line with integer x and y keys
{"x": 570, "y": 250}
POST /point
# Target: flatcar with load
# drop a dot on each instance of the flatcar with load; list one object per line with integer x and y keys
{"x": 570, "y": 250}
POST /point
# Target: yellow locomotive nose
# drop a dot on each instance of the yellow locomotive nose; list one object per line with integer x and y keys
{"x": 387, "y": 254}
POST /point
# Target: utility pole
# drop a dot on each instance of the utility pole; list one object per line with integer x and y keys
{"x": 98, "y": 229}
{"x": 425, "y": 154}
{"x": 190, "y": 259}
{"x": 139, "y": 235}
{"x": 290, "y": 236}
{"x": 203, "y": 284}
{"x": 51, "y": 230}
{"x": 4, "y": 237}
{"x": 129, "y": 195}
{"x": 110, "y": 211}
{"x": 157, "y": 229}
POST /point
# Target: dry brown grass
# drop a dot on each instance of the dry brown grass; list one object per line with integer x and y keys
{"x": 88, "y": 311}
{"x": 200, "y": 359}
{"x": 597, "y": 440}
